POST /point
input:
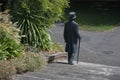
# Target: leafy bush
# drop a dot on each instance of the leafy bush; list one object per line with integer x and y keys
{"x": 9, "y": 38}
{"x": 57, "y": 47}
{"x": 34, "y": 17}
{"x": 29, "y": 62}
{"x": 10, "y": 48}
{"x": 34, "y": 61}
{"x": 6, "y": 70}
{"x": 19, "y": 65}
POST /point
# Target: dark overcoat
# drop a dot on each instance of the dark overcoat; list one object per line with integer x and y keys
{"x": 71, "y": 36}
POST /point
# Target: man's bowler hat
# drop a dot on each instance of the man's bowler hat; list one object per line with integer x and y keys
{"x": 72, "y": 15}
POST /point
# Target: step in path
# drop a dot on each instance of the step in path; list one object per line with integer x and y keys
{"x": 60, "y": 70}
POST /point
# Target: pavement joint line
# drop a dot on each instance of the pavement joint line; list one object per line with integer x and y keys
{"x": 34, "y": 77}
{"x": 90, "y": 64}
{"x": 96, "y": 65}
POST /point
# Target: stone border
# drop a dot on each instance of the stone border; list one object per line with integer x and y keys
{"x": 53, "y": 57}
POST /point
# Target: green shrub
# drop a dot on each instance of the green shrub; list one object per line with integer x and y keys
{"x": 6, "y": 70}
{"x": 9, "y": 39}
{"x": 9, "y": 27}
{"x": 57, "y": 47}
{"x": 19, "y": 65}
{"x": 13, "y": 60}
{"x": 34, "y": 17}
{"x": 34, "y": 61}
{"x": 28, "y": 62}
{"x": 8, "y": 47}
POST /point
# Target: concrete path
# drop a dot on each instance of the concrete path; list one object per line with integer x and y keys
{"x": 96, "y": 47}
{"x": 99, "y": 58}
{"x": 83, "y": 71}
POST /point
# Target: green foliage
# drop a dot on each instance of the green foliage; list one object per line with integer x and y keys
{"x": 34, "y": 17}
{"x": 9, "y": 39}
{"x": 34, "y": 61}
{"x": 57, "y": 47}
{"x": 8, "y": 48}
{"x": 96, "y": 16}
{"x": 28, "y": 62}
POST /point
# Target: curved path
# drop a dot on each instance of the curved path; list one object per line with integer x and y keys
{"x": 96, "y": 47}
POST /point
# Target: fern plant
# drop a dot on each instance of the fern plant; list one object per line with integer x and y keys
{"x": 34, "y": 18}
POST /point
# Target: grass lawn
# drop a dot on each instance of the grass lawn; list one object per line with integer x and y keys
{"x": 96, "y": 16}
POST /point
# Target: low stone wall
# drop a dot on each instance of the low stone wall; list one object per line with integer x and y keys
{"x": 54, "y": 57}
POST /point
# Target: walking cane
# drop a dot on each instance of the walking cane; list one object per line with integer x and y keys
{"x": 78, "y": 52}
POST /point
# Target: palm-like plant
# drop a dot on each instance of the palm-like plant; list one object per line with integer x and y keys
{"x": 34, "y": 17}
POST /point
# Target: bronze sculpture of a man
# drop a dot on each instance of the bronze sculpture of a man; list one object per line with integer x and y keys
{"x": 71, "y": 37}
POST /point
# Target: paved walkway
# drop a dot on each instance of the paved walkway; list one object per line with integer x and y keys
{"x": 99, "y": 56}
{"x": 96, "y": 47}
{"x": 82, "y": 71}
